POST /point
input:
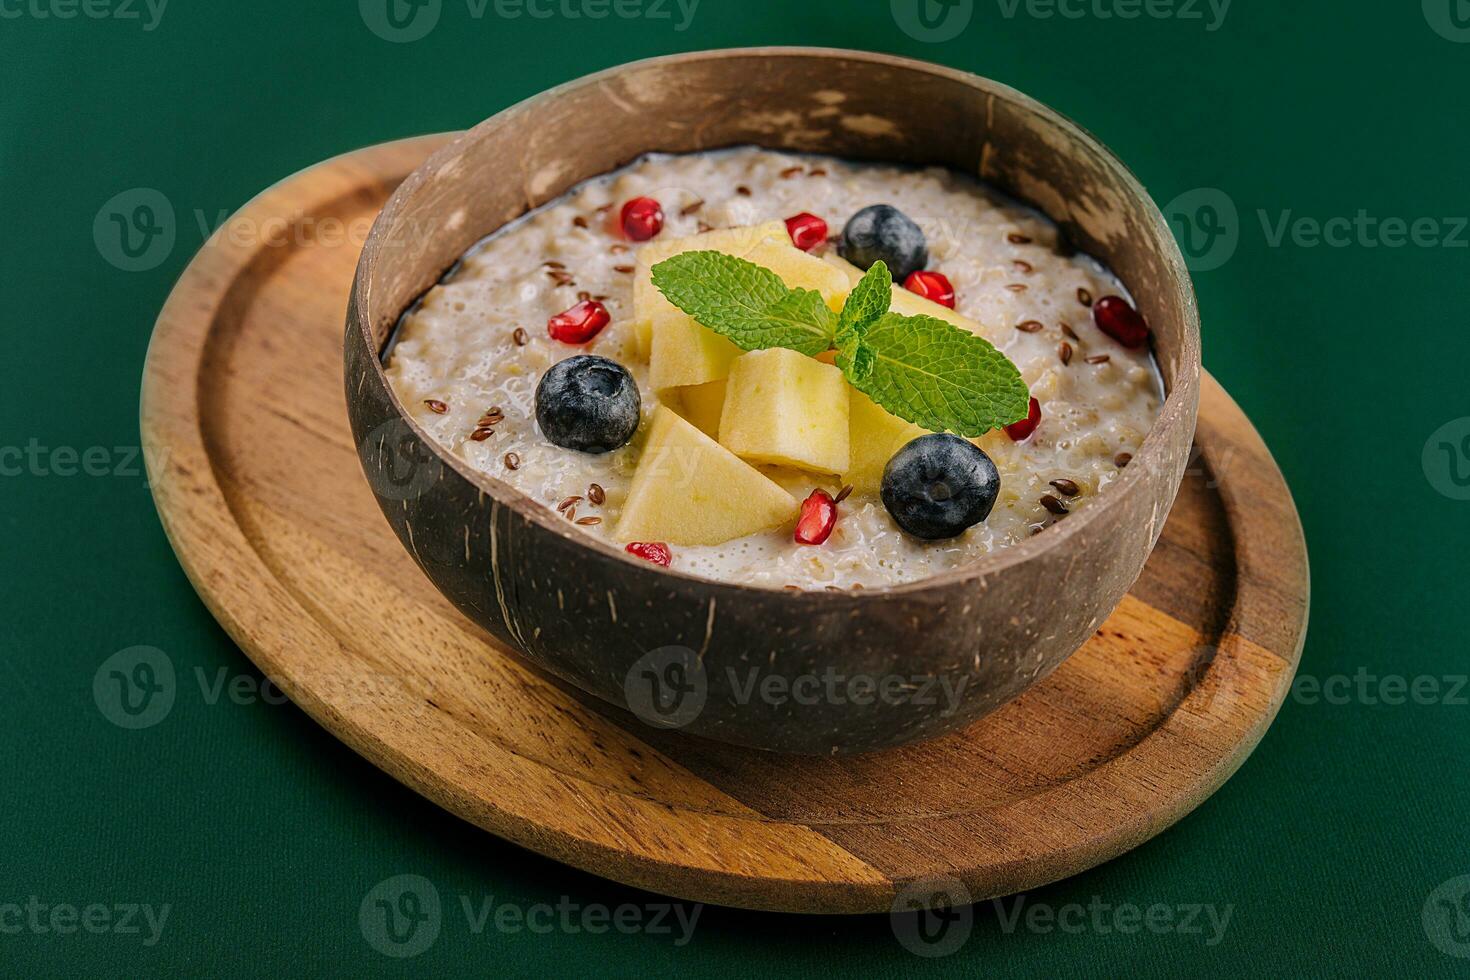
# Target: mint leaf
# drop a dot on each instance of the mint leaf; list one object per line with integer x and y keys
{"x": 856, "y": 359}
{"x": 746, "y": 303}
{"x": 868, "y": 301}
{"x": 938, "y": 376}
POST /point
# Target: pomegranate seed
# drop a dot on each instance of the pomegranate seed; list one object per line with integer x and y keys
{"x": 653, "y": 551}
{"x": 818, "y": 518}
{"x": 932, "y": 286}
{"x": 1118, "y": 319}
{"x": 578, "y": 324}
{"x": 807, "y": 231}
{"x": 642, "y": 218}
{"x": 1021, "y": 431}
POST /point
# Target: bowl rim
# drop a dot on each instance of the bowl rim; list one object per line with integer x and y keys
{"x": 1150, "y": 454}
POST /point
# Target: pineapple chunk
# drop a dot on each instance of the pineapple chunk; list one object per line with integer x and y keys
{"x": 905, "y": 302}
{"x": 799, "y": 270}
{"x": 798, "y": 483}
{"x": 685, "y": 353}
{"x": 646, "y": 297}
{"x": 786, "y": 408}
{"x": 690, "y": 490}
{"x": 875, "y": 436}
{"x": 700, "y": 404}
{"x": 852, "y": 272}
{"x": 912, "y": 304}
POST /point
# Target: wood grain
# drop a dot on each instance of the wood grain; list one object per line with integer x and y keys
{"x": 259, "y": 488}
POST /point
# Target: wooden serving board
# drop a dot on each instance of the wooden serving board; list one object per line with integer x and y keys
{"x": 243, "y": 382}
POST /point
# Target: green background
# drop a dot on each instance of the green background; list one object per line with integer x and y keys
{"x": 264, "y": 834}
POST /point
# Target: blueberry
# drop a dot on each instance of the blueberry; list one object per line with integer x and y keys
{"x": 588, "y": 403}
{"x": 882, "y": 231}
{"x": 938, "y": 485}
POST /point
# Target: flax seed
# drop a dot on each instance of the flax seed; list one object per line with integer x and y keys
{"x": 1064, "y": 352}
{"x": 691, "y": 208}
{"x": 1083, "y": 296}
{"x": 1099, "y": 359}
{"x": 569, "y": 502}
{"x": 618, "y": 248}
{"x": 1122, "y": 459}
{"x": 512, "y": 461}
{"x": 790, "y": 172}
{"x": 1067, "y": 330}
{"x": 1053, "y": 504}
{"x": 843, "y": 494}
{"x": 596, "y": 494}
{"x": 579, "y": 221}
{"x": 1023, "y": 267}
{"x": 1016, "y": 238}
{"x": 436, "y": 406}
{"x": 481, "y": 434}
{"x": 1029, "y": 326}
{"x": 520, "y": 337}
{"x": 1066, "y": 487}
{"x": 742, "y": 190}
{"x": 1017, "y": 287}
{"x": 589, "y": 521}
{"x": 817, "y": 172}
{"x": 624, "y": 269}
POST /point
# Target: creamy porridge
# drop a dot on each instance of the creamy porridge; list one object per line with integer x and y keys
{"x": 468, "y": 358}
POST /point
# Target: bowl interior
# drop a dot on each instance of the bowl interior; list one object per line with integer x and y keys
{"x": 843, "y": 103}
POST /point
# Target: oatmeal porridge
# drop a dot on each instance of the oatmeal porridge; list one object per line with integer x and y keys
{"x": 765, "y": 466}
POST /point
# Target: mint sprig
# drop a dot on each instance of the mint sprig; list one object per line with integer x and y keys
{"x": 920, "y": 368}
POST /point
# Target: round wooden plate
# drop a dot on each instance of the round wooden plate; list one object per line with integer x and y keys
{"x": 243, "y": 380}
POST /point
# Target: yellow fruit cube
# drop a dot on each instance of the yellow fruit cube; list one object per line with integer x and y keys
{"x": 700, "y": 404}
{"x": 799, "y": 270}
{"x": 685, "y": 353}
{"x": 875, "y": 436}
{"x": 912, "y": 304}
{"x": 786, "y": 408}
{"x": 646, "y": 297}
{"x": 905, "y": 302}
{"x": 852, "y": 272}
{"x": 690, "y": 490}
